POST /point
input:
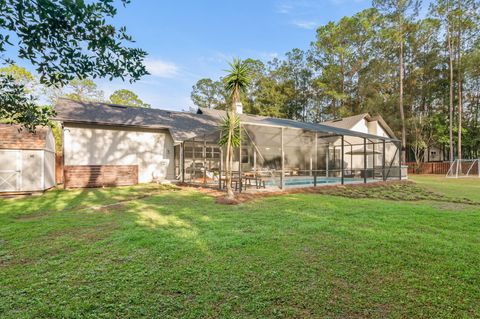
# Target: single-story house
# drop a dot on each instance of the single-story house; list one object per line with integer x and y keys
{"x": 107, "y": 144}
{"x": 27, "y": 160}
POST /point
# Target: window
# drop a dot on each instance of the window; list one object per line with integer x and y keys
{"x": 245, "y": 156}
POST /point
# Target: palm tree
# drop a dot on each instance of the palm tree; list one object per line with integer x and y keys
{"x": 236, "y": 82}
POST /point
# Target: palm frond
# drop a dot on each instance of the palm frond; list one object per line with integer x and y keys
{"x": 238, "y": 77}
{"x": 224, "y": 129}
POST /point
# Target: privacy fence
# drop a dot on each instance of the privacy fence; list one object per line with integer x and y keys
{"x": 440, "y": 168}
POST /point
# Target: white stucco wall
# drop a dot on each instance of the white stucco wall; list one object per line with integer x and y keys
{"x": 151, "y": 150}
{"x": 356, "y": 161}
{"x": 361, "y": 127}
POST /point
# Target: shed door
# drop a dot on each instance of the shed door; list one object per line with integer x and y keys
{"x": 10, "y": 170}
{"x": 32, "y": 170}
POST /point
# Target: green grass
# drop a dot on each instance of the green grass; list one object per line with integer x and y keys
{"x": 163, "y": 253}
{"x": 453, "y": 187}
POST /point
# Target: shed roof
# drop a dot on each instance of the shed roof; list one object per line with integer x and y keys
{"x": 182, "y": 125}
{"x": 16, "y": 138}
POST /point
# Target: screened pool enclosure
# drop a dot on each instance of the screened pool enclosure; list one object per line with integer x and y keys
{"x": 277, "y": 153}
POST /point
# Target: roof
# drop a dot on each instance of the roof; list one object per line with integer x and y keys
{"x": 346, "y": 122}
{"x": 17, "y": 138}
{"x": 182, "y": 125}
{"x": 317, "y": 127}
{"x": 351, "y": 121}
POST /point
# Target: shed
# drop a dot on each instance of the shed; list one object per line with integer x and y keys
{"x": 27, "y": 160}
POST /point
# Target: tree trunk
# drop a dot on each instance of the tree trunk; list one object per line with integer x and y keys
{"x": 450, "y": 115}
{"x": 460, "y": 112}
{"x": 229, "y": 157}
{"x": 460, "y": 102}
{"x": 402, "y": 113}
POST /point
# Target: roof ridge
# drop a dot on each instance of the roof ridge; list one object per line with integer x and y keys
{"x": 107, "y": 104}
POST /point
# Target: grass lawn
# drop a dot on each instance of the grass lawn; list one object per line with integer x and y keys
{"x": 453, "y": 187}
{"x": 146, "y": 251}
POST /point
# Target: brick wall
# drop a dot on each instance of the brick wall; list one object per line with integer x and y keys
{"x": 100, "y": 175}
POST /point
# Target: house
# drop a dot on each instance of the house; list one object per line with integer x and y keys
{"x": 27, "y": 160}
{"x": 106, "y": 144}
{"x": 365, "y": 123}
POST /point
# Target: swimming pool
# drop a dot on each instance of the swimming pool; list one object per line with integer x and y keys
{"x": 309, "y": 181}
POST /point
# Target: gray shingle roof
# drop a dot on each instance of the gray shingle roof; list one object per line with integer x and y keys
{"x": 322, "y": 127}
{"x": 182, "y": 125}
{"x": 351, "y": 121}
{"x": 347, "y": 122}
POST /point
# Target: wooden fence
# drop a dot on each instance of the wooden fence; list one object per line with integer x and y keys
{"x": 428, "y": 168}
{"x": 100, "y": 175}
{"x": 58, "y": 169}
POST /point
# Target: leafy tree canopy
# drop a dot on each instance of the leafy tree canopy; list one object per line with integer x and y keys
{"x": 209, "y": 94}
{"x": 353, "y": 66}
{"x": 128, "y": 98}
{"x": 84, "y": 90}
{"x": 63, "y": 40}
{"x": 16, "y": 81}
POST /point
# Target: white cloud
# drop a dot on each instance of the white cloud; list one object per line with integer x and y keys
{"x": 284, "y": 8}
{"x": 161, "y": 68}
{"x": 305, "y": 24}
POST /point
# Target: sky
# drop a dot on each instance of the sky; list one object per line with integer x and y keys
{"x": 194, "y": 39}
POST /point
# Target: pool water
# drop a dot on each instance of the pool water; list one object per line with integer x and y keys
{"x": 309, "y": 181}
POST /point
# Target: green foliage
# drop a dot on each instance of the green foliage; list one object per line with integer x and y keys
{"x": 17, "y": 106}
{"x": 128, "y": 98}
{"x": 209, "y": 94}
{"x": 21, "y": 76}
{"x": 352, "y": 67}
{"x": 16, "y": 81}
{"x": 225, "y": 128}
{"x": 65, "y": 40}
{"x": 58, "y": 136}
{"x": 237, "y": 79}
{"x": 84, "y": 90}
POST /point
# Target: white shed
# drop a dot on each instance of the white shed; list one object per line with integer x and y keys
{"x": 27, "y": 160}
